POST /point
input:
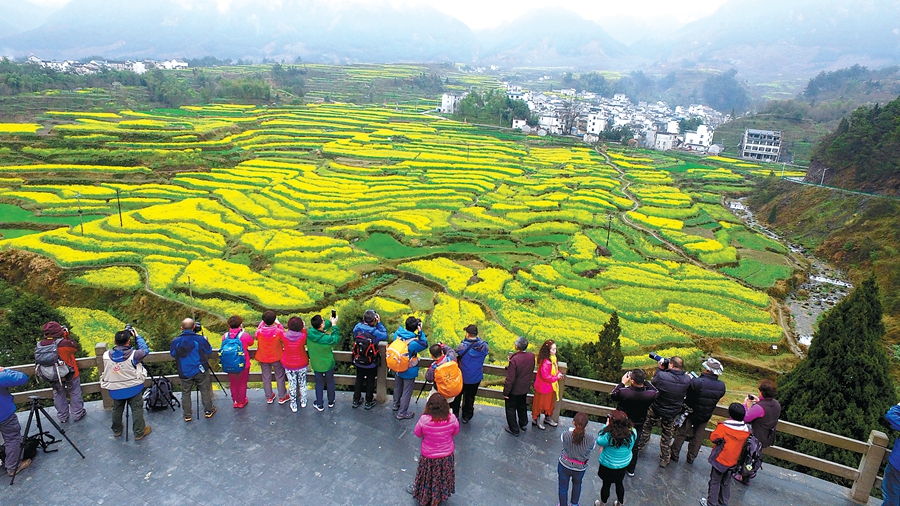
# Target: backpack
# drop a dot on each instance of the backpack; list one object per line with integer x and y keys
{"x": 30, "y": 444}
{"x": 48, "y": 366}
{"x": 231, "y": 354}
{"x": 159, "y": 396}
{"x": 397, "y": 355}
{"x": 364, "y": 351}
{"x": 448, "y": 379}
{"x": 750, "y": 460}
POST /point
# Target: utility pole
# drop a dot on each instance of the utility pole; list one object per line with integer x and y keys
{"x": 80, "y": 217}
{"x": 608, "y": 228}
{"x": 119, "y": 202}
{"x": 822, "y": 183}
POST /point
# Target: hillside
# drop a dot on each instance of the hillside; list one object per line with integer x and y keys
{"x": 858, "y": 234}
{"x": 863, "y": 153}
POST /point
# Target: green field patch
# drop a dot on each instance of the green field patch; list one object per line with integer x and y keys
{"x": 386, "y": 246}
{"x": 10, "y": 213}
{"x": 420, "y": 297}
{"x": 758, "y": 273}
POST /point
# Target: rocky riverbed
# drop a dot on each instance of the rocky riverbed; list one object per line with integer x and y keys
{"x": 825, "y": 285}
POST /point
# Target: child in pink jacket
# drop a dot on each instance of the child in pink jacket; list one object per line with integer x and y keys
{"x": 295, "y": 361}
{"x": 545, "y": 386}
{"x": 238, "y": 381}
{"x": 436, "y": 475}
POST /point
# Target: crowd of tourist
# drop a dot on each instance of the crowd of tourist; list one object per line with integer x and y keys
{"x": 681, "y": 404}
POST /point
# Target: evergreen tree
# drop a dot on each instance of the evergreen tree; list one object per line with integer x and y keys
{"x": 843, "y": 386}
{"x": 21, "y": 328}
{"x": 601, "y": 360}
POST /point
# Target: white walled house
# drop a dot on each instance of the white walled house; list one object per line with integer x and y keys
{"x": 596, "y": 124}
{"x": 519, "y": 124}
{"x": 699, "y": 140}
{"x": 449, "y": 103}
{"x": 665, "y": 141}
{"x": 761, "y": 145}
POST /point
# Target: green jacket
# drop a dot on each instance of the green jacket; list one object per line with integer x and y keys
{"x": 320, "y": 345}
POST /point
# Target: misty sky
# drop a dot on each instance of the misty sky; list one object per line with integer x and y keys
{"x": 480, "y": 14}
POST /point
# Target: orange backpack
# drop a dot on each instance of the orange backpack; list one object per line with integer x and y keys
{"x": 448, "y": 379}
{"x": 397, "y": 355}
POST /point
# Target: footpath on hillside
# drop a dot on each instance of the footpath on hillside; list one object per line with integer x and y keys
{"x": 264, "y": 454}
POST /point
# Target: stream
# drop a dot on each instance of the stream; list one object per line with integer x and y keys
{"x": 825, "y": 285}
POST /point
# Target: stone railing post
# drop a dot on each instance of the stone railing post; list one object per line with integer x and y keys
{"x": 99, "y": 350}
{"x": 563, "y": 367}
{"x": 381, "y": 381}
{"x": 868, "y": 467}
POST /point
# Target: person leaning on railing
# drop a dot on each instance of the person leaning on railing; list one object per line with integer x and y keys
{"x": 519, "y": 378}
{"x": 321, "y": 338}
{"x": 9, "y": 422}
{"x": 762, "y": 416}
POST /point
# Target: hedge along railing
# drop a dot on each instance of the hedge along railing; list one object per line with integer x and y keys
{"x": 865, "y": 477}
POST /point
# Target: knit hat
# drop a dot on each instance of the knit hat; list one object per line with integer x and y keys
{"x": 53, "y": 329}
{"x": 521, "y": 343}
{"x": 712, "y": 365}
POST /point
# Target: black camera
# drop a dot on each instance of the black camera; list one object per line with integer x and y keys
{"x": 664, "y": 362}
{"x": 197, "y": 327}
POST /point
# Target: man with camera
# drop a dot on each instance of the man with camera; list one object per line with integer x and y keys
{"x": 634, "y": 396}
{"x": 65, "y": 377}
{"x": 471, "y": 354}
{"x": 191, "y": 350}
{"x": 9, "y": 422}
{"x": 124, "y": 375}
{"x": 414, "y": 338}
{"x": 703, "y": 395}
{"x": 672, "y": 383}
{"x": 366, "y": 336}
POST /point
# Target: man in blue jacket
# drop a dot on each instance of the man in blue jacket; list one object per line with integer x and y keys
{"x": 124, "y": 375}
{"x": 191, "y": 350}
{"x": 366, "y": 373}
{"x": 470, "y": 354}
{"x": 404, "y": 382}
{"x": 9, "y": 426}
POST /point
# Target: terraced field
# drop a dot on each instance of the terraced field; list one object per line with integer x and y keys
{"x": 410, "y": 212}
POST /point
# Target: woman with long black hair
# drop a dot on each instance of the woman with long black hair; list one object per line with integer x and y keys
{"x": 616, "y": 439}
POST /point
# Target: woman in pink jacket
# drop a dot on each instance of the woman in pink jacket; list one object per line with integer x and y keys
{"x": 545, "y": 386}
{"x": 295, "y": 361}
{"x": 436, "y": 476}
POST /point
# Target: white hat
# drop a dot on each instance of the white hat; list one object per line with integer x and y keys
{"x": 712, "y": 365}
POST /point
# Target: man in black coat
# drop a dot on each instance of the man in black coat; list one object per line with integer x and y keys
{"x": 672, "y": 384}
{"x": 702, "y": 397}
{"x": 634, "y": 397}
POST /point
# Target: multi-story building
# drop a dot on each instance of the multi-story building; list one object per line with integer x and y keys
{"x": 761, "y": 145}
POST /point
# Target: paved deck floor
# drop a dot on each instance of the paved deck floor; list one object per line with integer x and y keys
{"x": 264, "y": 454}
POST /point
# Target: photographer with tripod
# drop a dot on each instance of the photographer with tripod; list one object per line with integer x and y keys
{"x": 124, "y": 375}
{"x": 9, "y": 422}
{"x": 191, "y": 350}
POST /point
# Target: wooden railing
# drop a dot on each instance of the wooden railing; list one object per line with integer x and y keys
{"x": 873, "y": 452}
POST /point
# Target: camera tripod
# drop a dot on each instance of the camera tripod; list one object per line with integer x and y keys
{"x": 44, "y": 438}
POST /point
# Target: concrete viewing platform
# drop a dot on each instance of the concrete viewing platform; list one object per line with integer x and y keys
{"x": 265, "y": 454}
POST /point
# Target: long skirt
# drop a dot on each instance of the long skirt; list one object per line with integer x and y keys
{"x": 435, "y": 479}
{"x": 543, "y": 403}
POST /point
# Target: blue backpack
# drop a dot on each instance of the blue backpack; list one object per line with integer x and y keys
{"x": 231, "y": 354}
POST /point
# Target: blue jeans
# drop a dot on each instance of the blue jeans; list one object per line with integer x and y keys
{"x": 890, "y": 486}
{"x": 566, "y": 474}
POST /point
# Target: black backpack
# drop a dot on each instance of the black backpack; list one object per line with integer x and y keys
{"x": 160, "y": 395}
{"x": 30, "y": 444}
{"x": 750, "y": 460}
{"x": 364, "y": 351}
